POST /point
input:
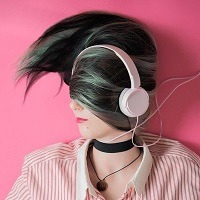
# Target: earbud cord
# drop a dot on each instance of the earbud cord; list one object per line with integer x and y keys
{"x": 158, "y": 109}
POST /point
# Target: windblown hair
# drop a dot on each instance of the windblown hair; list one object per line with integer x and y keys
{"x": 99, "y": 76}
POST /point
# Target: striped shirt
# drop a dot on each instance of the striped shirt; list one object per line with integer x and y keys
{"x": 168, "y": 171}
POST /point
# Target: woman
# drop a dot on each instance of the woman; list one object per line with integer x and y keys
{"x": 101, "y": 56}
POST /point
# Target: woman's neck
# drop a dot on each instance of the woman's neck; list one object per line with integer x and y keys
{"x": 112, "y": 135}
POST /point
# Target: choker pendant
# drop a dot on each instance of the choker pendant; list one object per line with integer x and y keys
{"x": 102, "y": 185}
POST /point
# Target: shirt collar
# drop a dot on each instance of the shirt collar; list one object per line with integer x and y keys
{"x": 82, "y": 178}
{"x": 139, "y": 179}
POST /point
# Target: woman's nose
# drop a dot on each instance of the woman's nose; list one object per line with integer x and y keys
{"x": 74, "y": 105}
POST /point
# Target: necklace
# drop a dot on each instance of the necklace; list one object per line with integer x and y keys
{"x": 113, "y": 147}
{"x": 102, "y": 184}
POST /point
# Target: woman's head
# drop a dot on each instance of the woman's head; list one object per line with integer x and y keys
{"x": 99, "y": 76}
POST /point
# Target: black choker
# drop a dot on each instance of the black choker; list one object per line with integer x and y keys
{"x": 113, "y": 147}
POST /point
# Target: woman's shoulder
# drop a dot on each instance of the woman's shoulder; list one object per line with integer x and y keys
{"x": 61, "y": 150}
{"x": 175, "y": 169}
{"x": 169, "y": 149}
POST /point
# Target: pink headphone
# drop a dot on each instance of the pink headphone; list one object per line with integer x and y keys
{"x": 134, "y": 101}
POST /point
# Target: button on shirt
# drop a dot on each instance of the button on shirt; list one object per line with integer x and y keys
{"x": 168, "y": 171}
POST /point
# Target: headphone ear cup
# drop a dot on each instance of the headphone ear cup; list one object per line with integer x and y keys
{"x": 134, "y": 102}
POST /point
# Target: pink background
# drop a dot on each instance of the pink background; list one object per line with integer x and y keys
{"x": 45, "y": 118}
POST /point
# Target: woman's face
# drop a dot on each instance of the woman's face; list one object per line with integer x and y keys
{"x": 90, "y": 126}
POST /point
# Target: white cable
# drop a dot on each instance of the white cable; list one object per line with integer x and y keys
{"x": 125, "y": 133}
{"x": 193, "y": 77}
{"x": 158, "y": 109}
{"x": 119, "y": 136}
{"x": 132, "y": 137}
{"x": 161, "y": 127}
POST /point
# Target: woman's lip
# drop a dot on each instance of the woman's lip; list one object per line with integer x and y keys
{"x": 80, "y": 120}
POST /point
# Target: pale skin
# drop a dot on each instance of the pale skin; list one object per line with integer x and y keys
{"x": 106, "y": 163}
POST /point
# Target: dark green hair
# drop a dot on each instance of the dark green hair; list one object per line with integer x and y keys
{"x": 99, "y": 76}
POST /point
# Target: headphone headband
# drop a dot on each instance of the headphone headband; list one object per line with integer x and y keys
{"x": 124, "y": 57}
{"x": 134, "y": 101}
